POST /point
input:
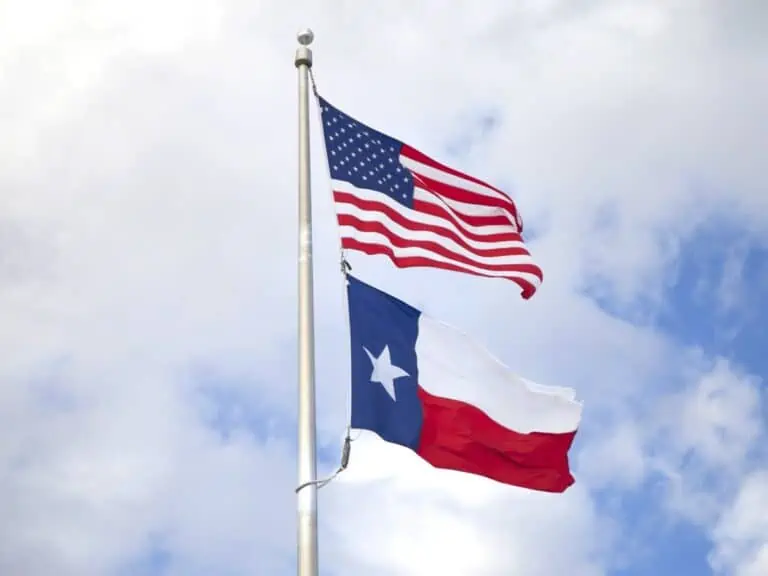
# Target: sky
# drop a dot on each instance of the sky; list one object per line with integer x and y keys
{"x": 148, "y": 243}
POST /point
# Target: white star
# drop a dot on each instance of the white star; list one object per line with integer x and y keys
{"x": 384, "y": 372}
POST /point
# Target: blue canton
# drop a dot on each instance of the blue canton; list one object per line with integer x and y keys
{"x": 378, "y": 321}
{"x": 364, "y": 157}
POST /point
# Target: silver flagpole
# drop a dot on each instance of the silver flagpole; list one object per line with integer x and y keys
{"x": 307, "y": 460}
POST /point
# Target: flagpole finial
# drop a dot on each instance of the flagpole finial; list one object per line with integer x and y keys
{"x": 303, "y": 53}
{"x": 305, "y": 36}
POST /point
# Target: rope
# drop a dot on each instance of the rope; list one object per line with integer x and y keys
{"x": 313, "y": 83}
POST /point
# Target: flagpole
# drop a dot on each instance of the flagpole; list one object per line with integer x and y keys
{"x": 307, "y": 460}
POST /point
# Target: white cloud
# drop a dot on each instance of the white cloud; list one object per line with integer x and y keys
{"x": 397, "y": 515}
{"x": 147, "y": 221}
{"x": 618, "y": 459}
{"x": 707, "y": 436}
{"x": 741, "y": 535}
{"x": 720, "y": 418}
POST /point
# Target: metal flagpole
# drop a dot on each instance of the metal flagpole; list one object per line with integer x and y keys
{"x": 307, "y": 492}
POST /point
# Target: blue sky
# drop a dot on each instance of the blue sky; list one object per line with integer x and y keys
{"x": 693, "y": 313}
{"x": 696, "y": 313}
{"x": 148, "y": 283}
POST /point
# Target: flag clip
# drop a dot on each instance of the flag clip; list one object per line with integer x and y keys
{"x": 345, "y": 452}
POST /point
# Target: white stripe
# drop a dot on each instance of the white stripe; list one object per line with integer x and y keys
{"x": 347, "y": 208}
{"x": 452, "y": 365}
{"x": 416, "y": 251}
{"x": 455, "y": 206}
{"x": 450, "y": 179}
{"x": 428, "y": 219}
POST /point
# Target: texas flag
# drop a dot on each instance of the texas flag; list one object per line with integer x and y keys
{"x": 424, "y": 385}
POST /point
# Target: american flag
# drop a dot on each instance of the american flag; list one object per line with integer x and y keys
{"x": 391, "y": 199}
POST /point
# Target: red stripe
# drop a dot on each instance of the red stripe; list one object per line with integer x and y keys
{"x": 400, "y": 218}
{"x": 435, "y": 248}
{"x": 414, "y": 154}
{"x": 381, "y": 228}
{"x": 446, "y": 212}
{"x": 494, "y": 204}
{"x": 528, "y": 289}
{"x": 459, "y": 436}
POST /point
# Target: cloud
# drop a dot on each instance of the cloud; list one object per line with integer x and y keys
{"x": 147, "y": 272}
{"x": 412, "y": 519}
{"x": 741, "y": 541}
{"x": 710, "y": 432}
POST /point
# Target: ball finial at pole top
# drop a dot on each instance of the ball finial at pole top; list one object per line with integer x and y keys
{"x": 305, "y": 37}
